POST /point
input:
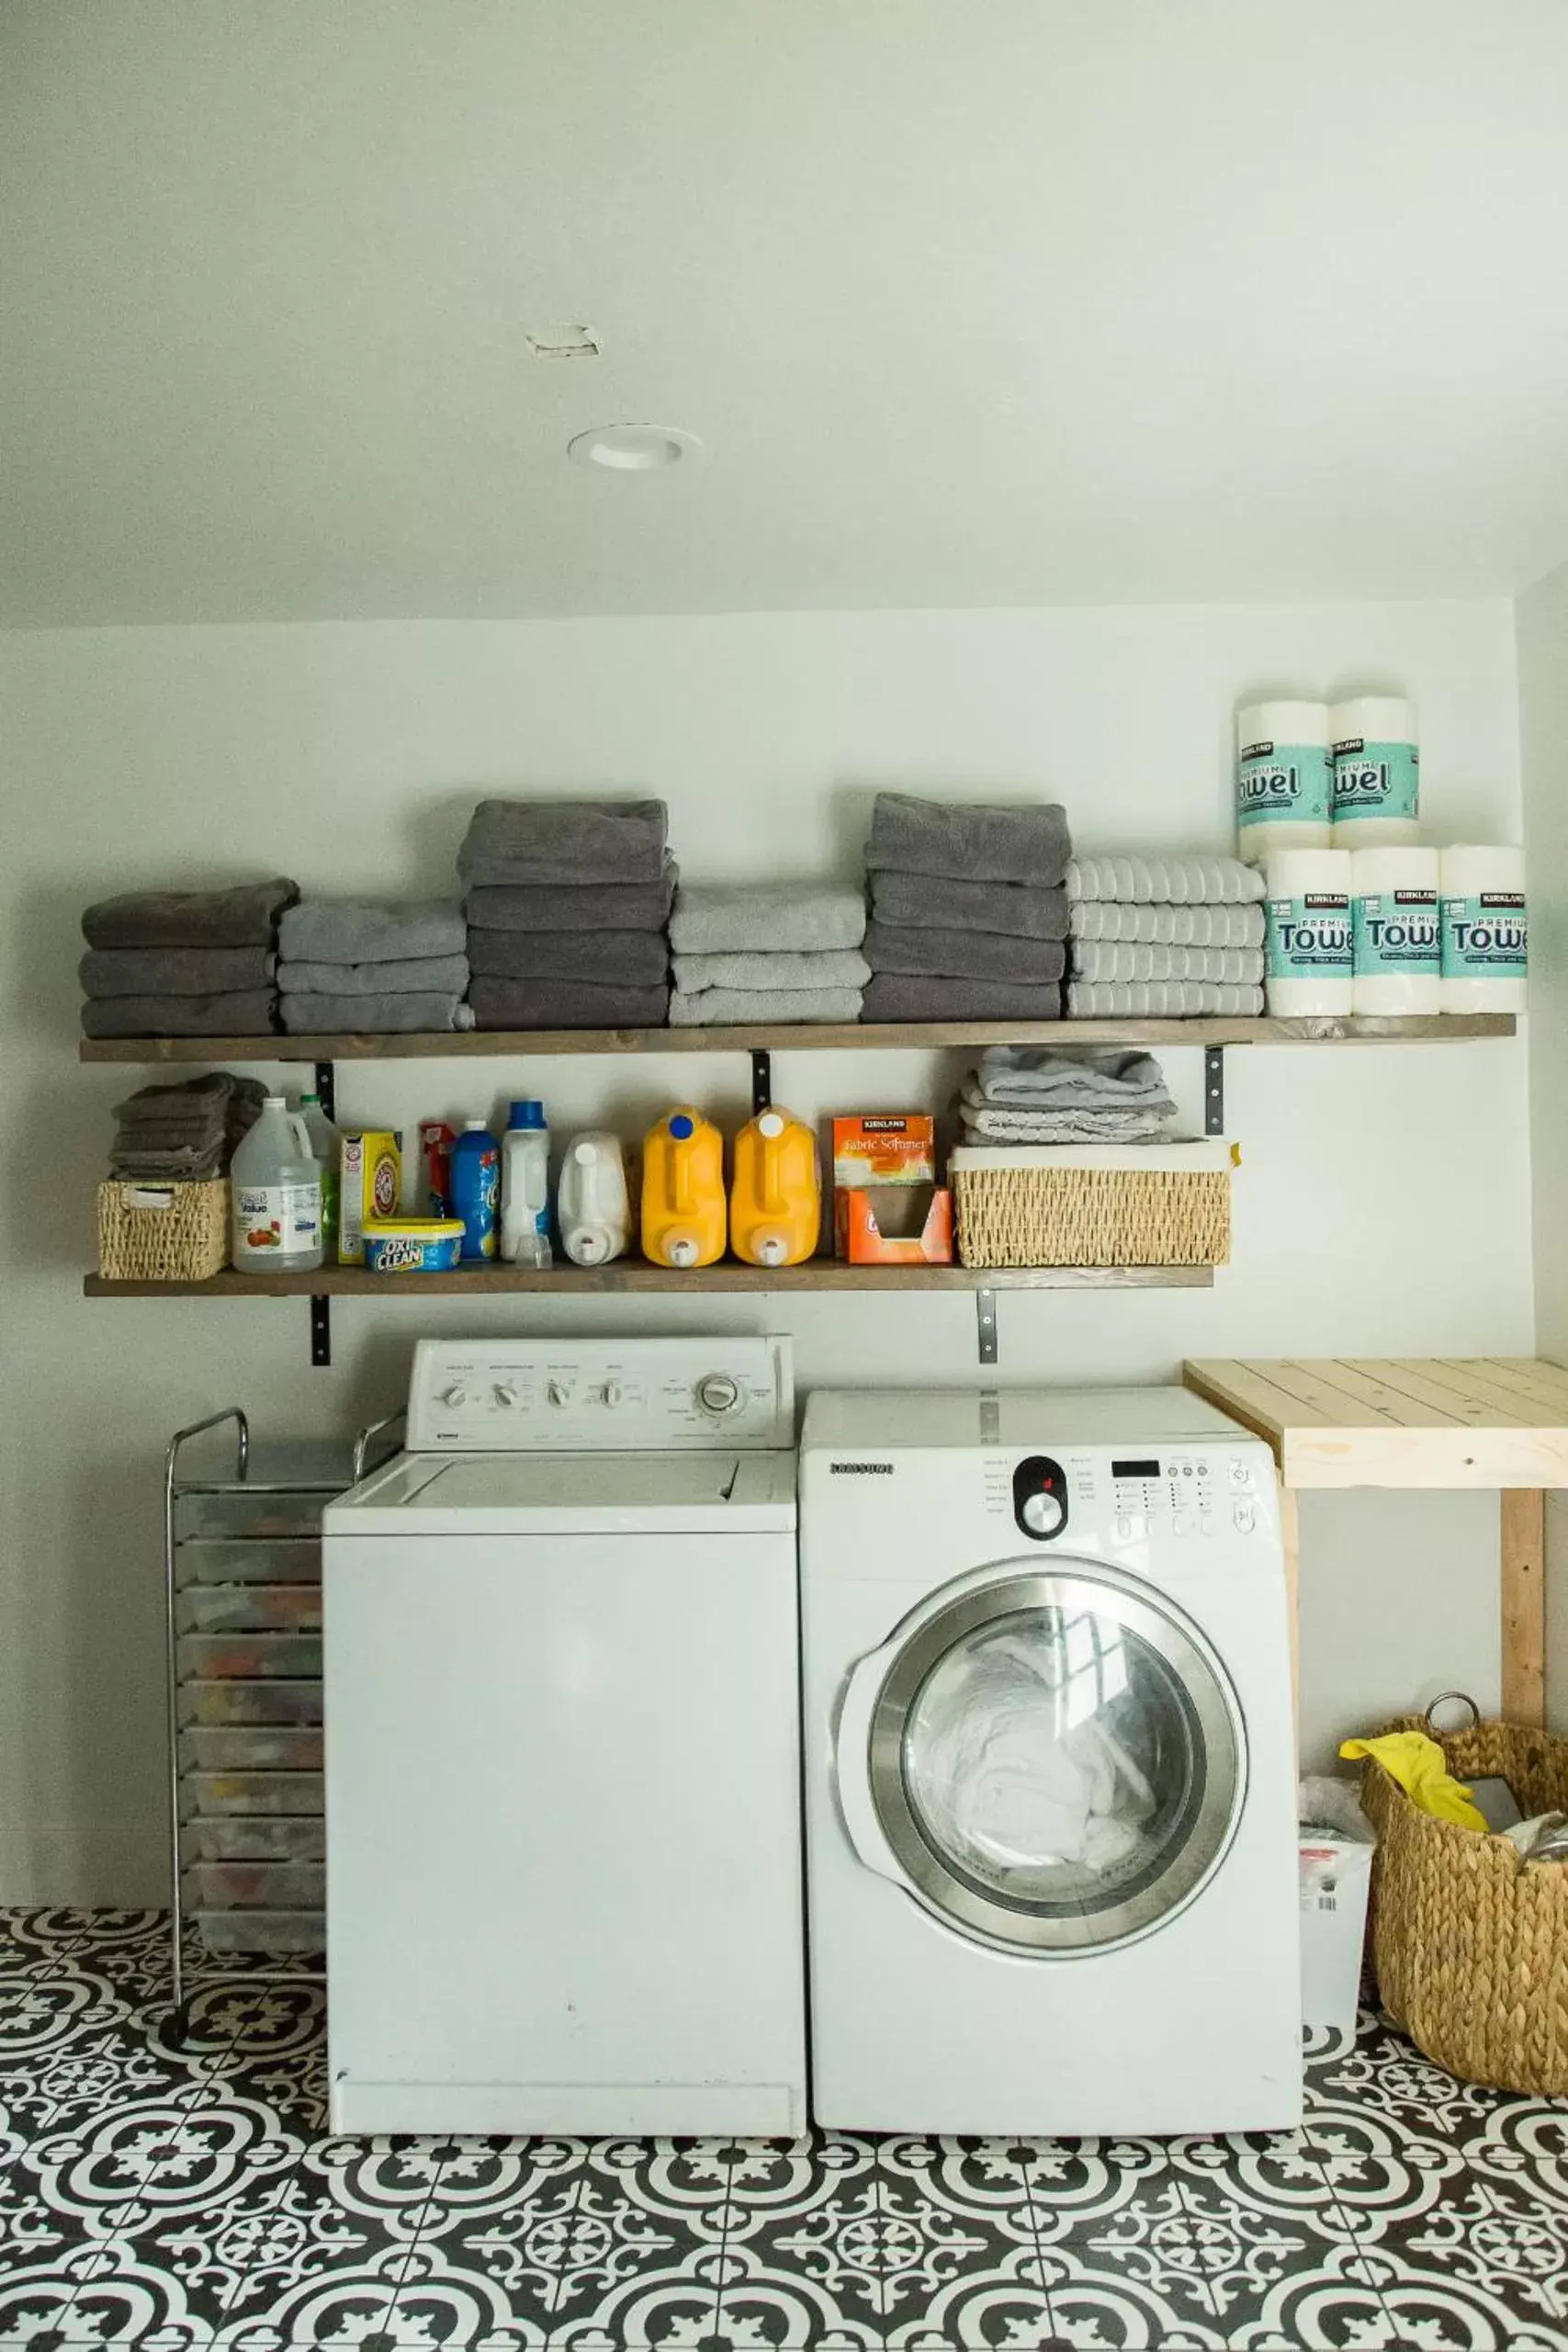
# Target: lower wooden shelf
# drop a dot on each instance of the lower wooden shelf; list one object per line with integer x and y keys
{"x": 630, "y": 1275}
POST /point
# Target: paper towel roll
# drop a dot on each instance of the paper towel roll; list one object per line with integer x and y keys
{"x": 1486, "y": 925}
{"x": 1284, "y": 778}
{"x": 1377, "y": 771}
{"x": 1395, "y": 932}
{"x": 1308, "y": 945}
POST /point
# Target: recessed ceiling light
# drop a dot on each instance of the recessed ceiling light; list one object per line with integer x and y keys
{"x": 564, "y": 343}
{"x": 632, "y": 449}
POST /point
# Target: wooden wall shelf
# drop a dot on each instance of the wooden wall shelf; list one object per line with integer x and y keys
{"x": 634, "y": 1275}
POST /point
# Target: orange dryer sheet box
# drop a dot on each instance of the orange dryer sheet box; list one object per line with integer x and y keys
{"x": 889, "y": 1208}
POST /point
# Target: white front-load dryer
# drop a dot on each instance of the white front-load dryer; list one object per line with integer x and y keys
{"x": 1049, "y": 1766}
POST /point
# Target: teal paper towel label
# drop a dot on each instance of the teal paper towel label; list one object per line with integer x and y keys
{"x": 1309, "y": 937}
{"x": 1485, "y": 937}
{"x": 1280, "y": 783}
{"x": 1397, "y": 931}
{"x": 1375, "y": 780}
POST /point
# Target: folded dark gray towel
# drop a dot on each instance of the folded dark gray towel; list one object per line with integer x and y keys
{"x": 366, "y": 931}
{"x": 974, "y": 841}
{"x": 637, "y": 959}
{"x": 901, "y": 996}
{"x": 175, "y": 971}
{"x": 187, "y": 1134}
{"x": 565, "y": 1004}
{"x": 248, "y": 1013}
{"x": 565, "y": 906}
{"x": 408, "y": 1011}
{"x": 927, "y": 901}
{"x": 245, "y": 916}
{"x": 203, "y": 1097}
{"x": 564, "y": 841}
{"x": 410, "y": 975}
{"x": 966, "y": 955}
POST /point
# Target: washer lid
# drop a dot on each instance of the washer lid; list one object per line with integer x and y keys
{"x": 571, "y": 1494}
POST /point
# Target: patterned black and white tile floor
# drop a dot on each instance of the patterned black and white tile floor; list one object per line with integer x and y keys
{"x": 176, "y": 2199}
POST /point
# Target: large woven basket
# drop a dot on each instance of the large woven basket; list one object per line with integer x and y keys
{"x": 163, "y": 1233}
{"x": 1160, "y": 1206}
{"x": 1470, "y": 1944}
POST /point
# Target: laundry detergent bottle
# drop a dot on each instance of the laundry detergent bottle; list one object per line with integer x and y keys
{"x": 683, "y": 1206}
{"x": 525, "y": 1187}
{"x": 775, "y": 1202}
{"x": 592, "y": 1208}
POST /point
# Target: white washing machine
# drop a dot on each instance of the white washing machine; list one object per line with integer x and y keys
{"x": 562, "y": 1730}
{"x": 1049, "y": 1766}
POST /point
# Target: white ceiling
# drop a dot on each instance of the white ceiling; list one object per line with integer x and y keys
{"x": 971, "y": 301}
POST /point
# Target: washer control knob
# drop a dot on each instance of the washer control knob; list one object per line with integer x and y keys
{"x": 718, "y": 1393}
{"x": 1043, "y": 1513}
{"x": 455, "y": 1394}
{"x": 612, "y": 1395}
{"x": 557, "y": 1394}
{"x": 504, "y": 1391}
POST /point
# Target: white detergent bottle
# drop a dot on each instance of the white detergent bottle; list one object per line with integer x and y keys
{"x": 525, "y": 1187}
{"x": 275, "y": 1191}
{"x": 593, "y": 1206}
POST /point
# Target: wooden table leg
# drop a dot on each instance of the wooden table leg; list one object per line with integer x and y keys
{"x": 1524, "y": 1606}
{"x": 1290, "y": 1539}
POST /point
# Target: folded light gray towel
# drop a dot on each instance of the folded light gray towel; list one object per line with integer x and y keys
{"x": 1042, "y": 1078}
{"x": 247, "y": 1013}
{"x": 966, "y": 955}
{"x": 723, "y": 919}
{"x": 411, "y": 1011}
{"x": 1070, "y": 1135}
{"x": 1081, "y": 1123}
{"x": 756, "y": 1007}
{"x": 245, "y": 916}
{"x": 903, "y": 996}
{"x": 582, "y": 906}
{"x": 975, "y": 841}
{"x": 637, "y": 959}
{"x": 1177, "y": 881}
{"x": 1125, "y": 959}
{"x": 565, "y": 1004}
{"x": 1169, "y": 926}
{"x": 366, "y": 931}
{"x": 1160, "y": 1000}
{"x": 805, "y": 967}
{"x": 409, "y": 976}
{"x": 175, "y": 971}
{"x": 927, "y": 901}
{"x": 564, "y": 841}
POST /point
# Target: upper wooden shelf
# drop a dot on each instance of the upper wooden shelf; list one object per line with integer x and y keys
{"x": 636, "y": 1274}
{"x": 1450, "y": 1029}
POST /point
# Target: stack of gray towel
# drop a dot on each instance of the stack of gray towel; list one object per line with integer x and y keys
{"x": 567, "y": 905}
{"x": 352, "y": 965}
{"x": 183, "y": 963}
{"x": 183, "y": 1135}
{"x": 773, "y": 954}
{"x": 1165, "y": 938}
{"x": 1023, "y": 1095}
{"x": 968, "y": 913}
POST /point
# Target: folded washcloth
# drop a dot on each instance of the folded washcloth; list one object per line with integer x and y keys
{"x": 805, "y": 967}
{"x": 755, "y": 1008}
{"x": 564, "y": 841}
{"x": 1160, "y": 1000}
{"x": 408, "y": 1011}
{"x": 966, "y": 955}
{"x": 175, "y": 971}
{"x": 635, "y": 959}
{"x": 903, "y": 996}
{"x": 1042, "y": 1078}
{"x": 1169, "y": 926}
{"x": 584, "y": 906}
{"x": 1176, "y": 881}
{"x": 245, "y": 916}
{"x": 729, "y": 918}
{"x": 927, "y": 901}
{"x": 245, "y": 1013}
{"x": 565, "y": 1004}
{"x": 409, "y": 976}
{"x": 365, "y": 930}
{"x": 200, "y": 1098}
{"x": 998, "y": 1129}
{"x": 972, "y": 841}
{"x": 1125, "y": 959}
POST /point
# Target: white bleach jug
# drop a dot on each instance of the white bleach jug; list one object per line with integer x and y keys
{"x": 593, "y": 1206}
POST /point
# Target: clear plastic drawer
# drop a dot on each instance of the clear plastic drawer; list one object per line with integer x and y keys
{"x": 275, "y": 1886}
{"x": 261, "y": 1702}
{"x": 262, "y": 1748}
{"x": 211, "y": 1656}
{"x": 256, "y": 1513}
{"x": 249, "y": 1609}
{"x": 251, "y": 1561}
{"x": 227, "y": 1793}
{"x": 254, "y": 1837}
{"x": 263, "y": 1931}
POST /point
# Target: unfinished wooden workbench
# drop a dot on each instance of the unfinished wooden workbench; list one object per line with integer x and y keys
{"x": 1419, "y": 1421}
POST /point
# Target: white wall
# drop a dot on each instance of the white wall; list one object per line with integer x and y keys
{"x": 1543, "y": 726}
{"x": 348, "y": 756}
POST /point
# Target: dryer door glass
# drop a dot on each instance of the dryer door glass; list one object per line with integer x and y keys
{"x": 1057, "y": 1760}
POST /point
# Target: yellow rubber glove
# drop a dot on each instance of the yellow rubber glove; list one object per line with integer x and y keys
{"x": 1418, "y": 1765}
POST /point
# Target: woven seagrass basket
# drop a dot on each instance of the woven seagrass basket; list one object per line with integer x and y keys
{"x": 1470, "y": 1942}
{"x": 1017, "y": 1208}
{"x": 163, "y": 1233}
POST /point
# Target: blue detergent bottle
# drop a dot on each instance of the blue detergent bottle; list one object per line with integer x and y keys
{"x": 476, "y": 1190}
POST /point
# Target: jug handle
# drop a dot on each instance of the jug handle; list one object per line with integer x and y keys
{"x": 302, "y": 1137}
{"x": 681, "y": 1186}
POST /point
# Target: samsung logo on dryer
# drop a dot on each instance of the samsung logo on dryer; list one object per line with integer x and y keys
{"x": 859, "y": 1469}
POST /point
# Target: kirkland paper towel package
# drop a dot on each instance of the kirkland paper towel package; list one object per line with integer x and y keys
{"x": 1307, "y": 967}
{"x": 1284, "y": 778}
{"x": 1486, "y": 929}
{"x": 1377, "y": 771}
{"x": 1396, "y": 936}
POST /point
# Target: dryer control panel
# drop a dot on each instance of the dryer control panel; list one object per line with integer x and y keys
{"x": 602, "y": 1395}
{"x": 1183, "y": 1490}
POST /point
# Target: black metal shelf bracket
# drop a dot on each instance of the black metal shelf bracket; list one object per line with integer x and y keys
{"x": 326, "y": 1088}
{"x": 1214, "y": 1089}
{"x": 985, "y": 1324}
{"x": 320, "y": 1329}
{"x": 762, "y": 1081}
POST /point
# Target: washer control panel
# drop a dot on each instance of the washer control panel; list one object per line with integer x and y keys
{"x": 609, "y": 1396}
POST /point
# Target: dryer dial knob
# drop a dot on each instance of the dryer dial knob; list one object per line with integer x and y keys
{"x": 718, "y": 1393}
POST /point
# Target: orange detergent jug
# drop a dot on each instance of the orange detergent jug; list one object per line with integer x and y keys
{"x": 683, "y": 1191}
{"x": 776, "y": 1204}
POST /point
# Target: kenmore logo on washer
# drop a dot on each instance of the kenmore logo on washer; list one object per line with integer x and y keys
{"x": 859, "y": 1469}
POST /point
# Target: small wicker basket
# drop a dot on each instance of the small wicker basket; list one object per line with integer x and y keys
{"x": 163, "y": 1233}
{"x": 1161, "y": 1205}
{"x": 1470, "y": 1942}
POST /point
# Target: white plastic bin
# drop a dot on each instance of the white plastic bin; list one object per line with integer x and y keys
{"x": 1336, "y": 1876}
